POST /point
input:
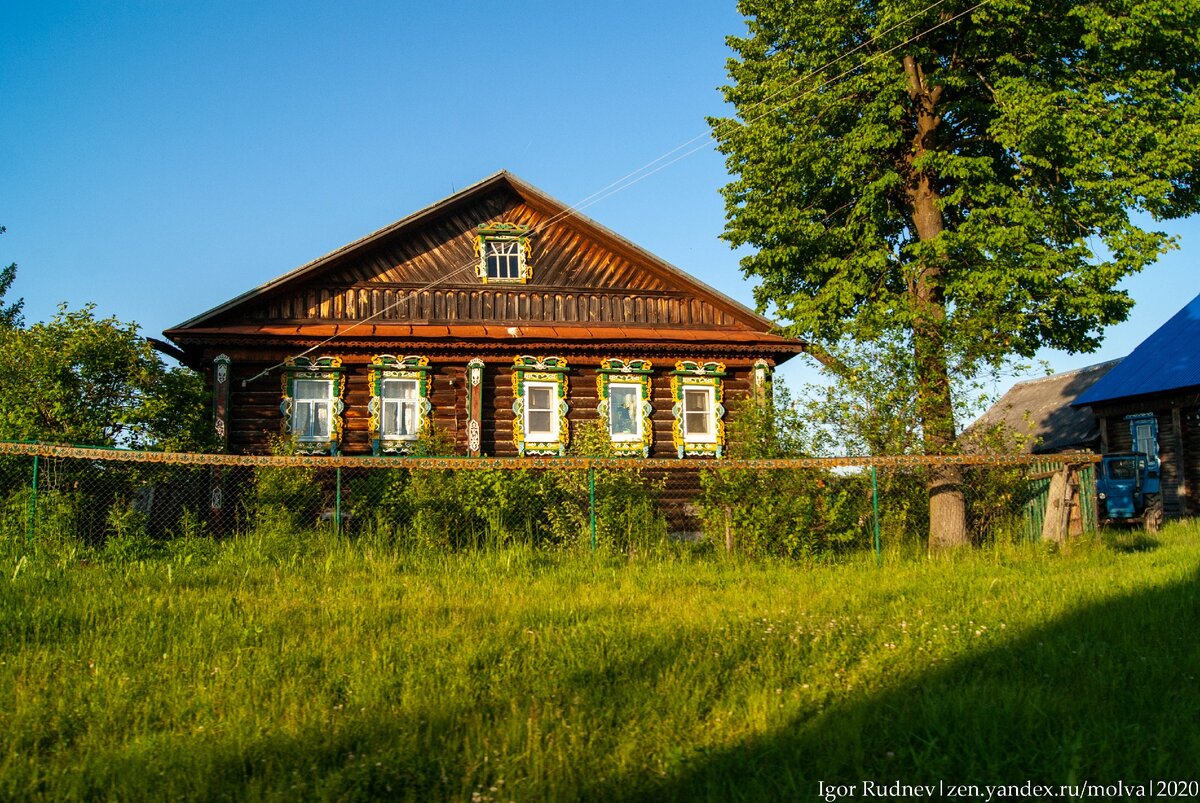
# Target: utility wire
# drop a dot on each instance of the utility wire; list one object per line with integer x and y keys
{"x": 657, "y": 164}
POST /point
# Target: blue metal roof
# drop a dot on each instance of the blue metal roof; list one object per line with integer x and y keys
{"x": 1167, "y": 360}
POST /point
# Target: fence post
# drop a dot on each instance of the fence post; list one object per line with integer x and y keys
{"x": 337, "y": 500}
{"x": 592, "y": 501}
{"x": 875, "y": 511}
{"x": 32, "y": 503}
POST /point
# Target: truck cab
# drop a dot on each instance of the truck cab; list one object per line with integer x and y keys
{"x": 1121, "y": 485}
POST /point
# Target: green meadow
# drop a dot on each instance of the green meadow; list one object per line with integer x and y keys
{"x": 284, "y": 667}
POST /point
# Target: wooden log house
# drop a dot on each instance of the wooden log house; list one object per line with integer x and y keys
{"x": 498, "y": 316}
{"x": 1150, "y": 402}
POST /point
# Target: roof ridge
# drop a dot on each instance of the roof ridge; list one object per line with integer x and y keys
{"x": 1071, "y": 372}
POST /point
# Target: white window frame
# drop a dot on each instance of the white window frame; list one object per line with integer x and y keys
{"x": 411, "y": 403}
{"x": 710, "y": 393}
{"x": 508, "y": 252}
{"x": 636, "y": 413}
{"x": 313, "y": 405}
{"x": 541, "y": 436}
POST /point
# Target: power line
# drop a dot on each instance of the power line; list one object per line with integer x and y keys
{"x": 644, "y": 172}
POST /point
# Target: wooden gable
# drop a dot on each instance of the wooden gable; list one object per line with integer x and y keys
{"x": 420, "y": 273}
{"x": 593, "y": 304}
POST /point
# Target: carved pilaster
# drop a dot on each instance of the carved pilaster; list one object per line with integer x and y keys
{"x": 474, "y": 407}
{"x": 221, "y": 385}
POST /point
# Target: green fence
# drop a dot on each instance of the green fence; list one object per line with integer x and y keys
{"x": 782, "y": 508}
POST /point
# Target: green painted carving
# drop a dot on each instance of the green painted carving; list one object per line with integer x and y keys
{"x": 711, "y": 441}
{"x": 637, "y": 374}
{"x": 550, "y": 371}
{"x": 328, "y": 369}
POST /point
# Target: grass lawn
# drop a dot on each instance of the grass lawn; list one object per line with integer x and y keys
{"x": 308, "y": 667}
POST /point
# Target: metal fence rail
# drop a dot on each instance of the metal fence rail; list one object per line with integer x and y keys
{"x": 784, "y": 508}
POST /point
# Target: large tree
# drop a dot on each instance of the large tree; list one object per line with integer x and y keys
{"x": 976, "y": 182}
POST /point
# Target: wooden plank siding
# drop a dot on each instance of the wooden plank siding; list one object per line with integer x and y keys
{"x": 412, "y": 303}
{"x": 574, "y": 280}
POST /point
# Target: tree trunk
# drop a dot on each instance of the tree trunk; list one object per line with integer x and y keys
{"x": 935, "y": 405}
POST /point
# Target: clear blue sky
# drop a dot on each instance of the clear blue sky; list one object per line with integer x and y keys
{"x": 159, "y": 158}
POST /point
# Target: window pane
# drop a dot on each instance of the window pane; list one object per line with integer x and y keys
{"x": 623, "y": 410}
{"x": 541, "y": 422}
{"x": 301, "y": 413}
{"x": 400, "y": 388}
{"x": 504, "y": 259}
{"x": 697, "y": 413}
{"x": 408, "y": 419}
{"x": 320, "y": 420}
{"x": 539, "y": 398}
{"x": 391, "y": 418}
{"x": 313, "y": 388}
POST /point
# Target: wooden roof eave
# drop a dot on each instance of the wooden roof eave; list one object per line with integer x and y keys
{"x": 496, "y": 339}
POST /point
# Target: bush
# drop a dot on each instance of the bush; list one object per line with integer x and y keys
{"x": 285, "y": 498}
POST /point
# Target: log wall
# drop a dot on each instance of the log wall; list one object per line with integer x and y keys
{"x": 1178, "y": 418}
{"x": 255, "y": 417}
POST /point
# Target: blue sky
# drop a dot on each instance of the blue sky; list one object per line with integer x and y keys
{"x": 158, "y": 158}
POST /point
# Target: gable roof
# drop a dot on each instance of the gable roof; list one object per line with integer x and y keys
{"x": 1040, "y": 412}
{"x": 1167, "y": 360}
{"x": 382, "y": 258}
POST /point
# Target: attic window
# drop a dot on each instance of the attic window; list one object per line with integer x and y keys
{"x": 503, "y": 251}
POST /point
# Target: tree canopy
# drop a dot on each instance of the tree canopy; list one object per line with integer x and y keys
{"x": 974, "y": 178}
{"x": 95, "y": 381}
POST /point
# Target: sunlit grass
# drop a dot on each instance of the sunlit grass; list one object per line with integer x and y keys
{"x": 300, "y": 667}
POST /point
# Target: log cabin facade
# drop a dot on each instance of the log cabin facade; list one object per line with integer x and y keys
{"x": 1150, "y": 402}
{"x": 498, "y": 317}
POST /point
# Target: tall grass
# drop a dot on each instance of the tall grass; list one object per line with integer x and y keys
{"x": 284, "y": 667}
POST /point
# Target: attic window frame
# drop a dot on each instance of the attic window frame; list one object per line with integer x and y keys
{"x": 489, "y": 237}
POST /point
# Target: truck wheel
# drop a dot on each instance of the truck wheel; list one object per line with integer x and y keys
{"x": 1153, "y": 517}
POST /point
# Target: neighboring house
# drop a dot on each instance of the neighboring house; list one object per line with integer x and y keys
{"x": 499, "y": 316}
{"x": 1151, "y": 401}
{"x": 1037, "y": 413}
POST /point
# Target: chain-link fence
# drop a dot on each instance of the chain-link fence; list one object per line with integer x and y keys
{"x": 782, "y": 508}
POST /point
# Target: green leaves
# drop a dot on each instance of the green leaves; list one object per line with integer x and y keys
{"x": 1052, "y": 124}
{"x": 80, "y": 379}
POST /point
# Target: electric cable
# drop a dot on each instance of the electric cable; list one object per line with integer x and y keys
{"x": 644, "y": 172}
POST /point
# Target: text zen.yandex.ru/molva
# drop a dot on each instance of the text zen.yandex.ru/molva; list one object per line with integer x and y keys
{"x": 897, "y": 790}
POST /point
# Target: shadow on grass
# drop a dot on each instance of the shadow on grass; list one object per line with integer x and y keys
{"x": 1109, "y": 693}
{"x": 1130, "y": 541}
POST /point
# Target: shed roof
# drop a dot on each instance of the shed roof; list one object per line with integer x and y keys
{"x": 1040, "y": 410}
{"x": 1167, "y": 360}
